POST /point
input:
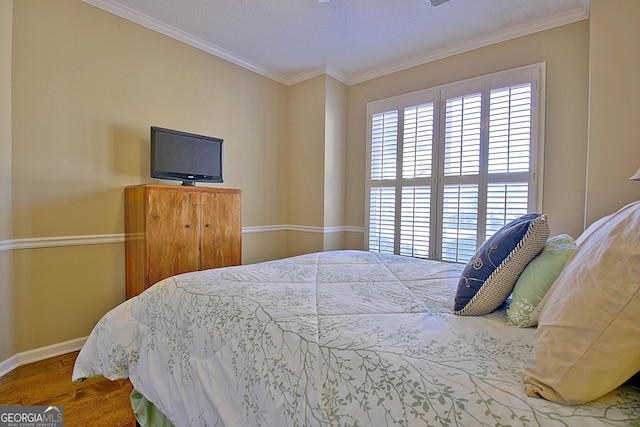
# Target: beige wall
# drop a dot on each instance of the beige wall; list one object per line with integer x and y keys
{"x": 317, "y": 125}
{"x": 84, "y": 86}
{"x": 335, "y": 162}
{"x": 60, "y": 293}
{"x": 6, "y": 256}
{"x": 566, "y": 53}
{"x": 614, "y": 106}
{"x": 87, "y": 86}
{"x": 316, "y": 150}
{"x": 306, "y": 123}
{"x": 335, "y": 152}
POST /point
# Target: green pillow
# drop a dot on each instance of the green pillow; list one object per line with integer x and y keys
{"x": 537, "y": 278}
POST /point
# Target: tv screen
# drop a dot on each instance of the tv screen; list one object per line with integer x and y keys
{"x": 185, "y": 157}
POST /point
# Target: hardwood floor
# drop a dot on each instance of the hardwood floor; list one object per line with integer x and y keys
{"x": 95, "y": 402}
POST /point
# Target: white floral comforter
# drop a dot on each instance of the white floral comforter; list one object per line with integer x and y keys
{"x": 344, "y": 338}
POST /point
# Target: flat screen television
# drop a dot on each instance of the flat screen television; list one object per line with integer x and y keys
{"x": 185, "y": 157}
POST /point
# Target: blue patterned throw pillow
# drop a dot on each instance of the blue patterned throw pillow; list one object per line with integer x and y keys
{"x": 489, "y": 277}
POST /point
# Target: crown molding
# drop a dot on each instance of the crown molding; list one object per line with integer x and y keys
{"x": 327, "y": 70}
{"x": 511, "y": 33}
{"x": 177, "y": 34}
{"x": 508, "y": 34}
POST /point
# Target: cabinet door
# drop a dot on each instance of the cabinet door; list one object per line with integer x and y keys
{"x": 221, "y": 240}
{"x": 172, "y": 233}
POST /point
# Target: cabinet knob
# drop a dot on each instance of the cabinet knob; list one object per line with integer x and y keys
{"x": 208, "y": 225}
{"x": 188, "y": 226}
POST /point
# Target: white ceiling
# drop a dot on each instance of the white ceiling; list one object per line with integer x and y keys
{"x": 352, "y": 40}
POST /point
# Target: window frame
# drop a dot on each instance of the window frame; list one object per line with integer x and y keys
{"x": 535, "y": 73}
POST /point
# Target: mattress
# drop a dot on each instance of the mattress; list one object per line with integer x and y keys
{"x": 341, "y": 338}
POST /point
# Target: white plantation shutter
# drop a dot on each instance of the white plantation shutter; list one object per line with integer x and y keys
{"x": 383, "y": 145}
{"x": 505, "y": 202}
{"x": 417, "y": 166}
{"x": 451, "y": 165}
{"x": 462, "y": 135}
{"x": 417, "y": 141}
{"x": 382, "y": 219}
{"x": 510, "y": 129}
{"x": 509, "y": 155}
{"x": 415, "y": 222}
{"x": 459, "y": 222}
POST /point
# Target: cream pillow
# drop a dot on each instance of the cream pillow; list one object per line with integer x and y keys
{"x": 588, "y": 337}
{"x": 590, "y": 229}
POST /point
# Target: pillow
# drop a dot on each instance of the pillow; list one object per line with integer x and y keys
{"x": 537, "y": 278}
{"x": 588, "y": 337}
{"x": 590, "y": 229}
{"x": 490, "y": 275}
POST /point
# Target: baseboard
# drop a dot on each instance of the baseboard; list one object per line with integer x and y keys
{"x": 41, "y": 353}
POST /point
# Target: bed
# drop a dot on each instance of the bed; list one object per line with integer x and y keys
{"x": 338, "y": 338}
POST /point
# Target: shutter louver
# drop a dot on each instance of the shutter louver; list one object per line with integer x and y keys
{"x": 384, "y": 145}
{"x": 459, "y": 222}
{"x": 382, "y": 219}
{"x": 415, "y": 222}
{"x": 505, "y": 202}
{"x": 462, "y": 135}
{"x": 417, "y": 141}
{"x": 510, "y": 129}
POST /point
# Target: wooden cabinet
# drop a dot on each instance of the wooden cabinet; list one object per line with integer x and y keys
{"x": 170, "y": 229}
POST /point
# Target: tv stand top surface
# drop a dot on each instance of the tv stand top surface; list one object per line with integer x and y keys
{"x": 175, "y": 187}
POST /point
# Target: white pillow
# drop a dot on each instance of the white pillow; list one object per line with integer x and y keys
{"x": 588, "y": 337}
{"x": 590, "y": 229}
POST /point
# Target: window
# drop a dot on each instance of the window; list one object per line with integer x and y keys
{"x": 449, "y": 166}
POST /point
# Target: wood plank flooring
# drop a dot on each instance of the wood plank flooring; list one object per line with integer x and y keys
{"x": 95, "y": 402}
